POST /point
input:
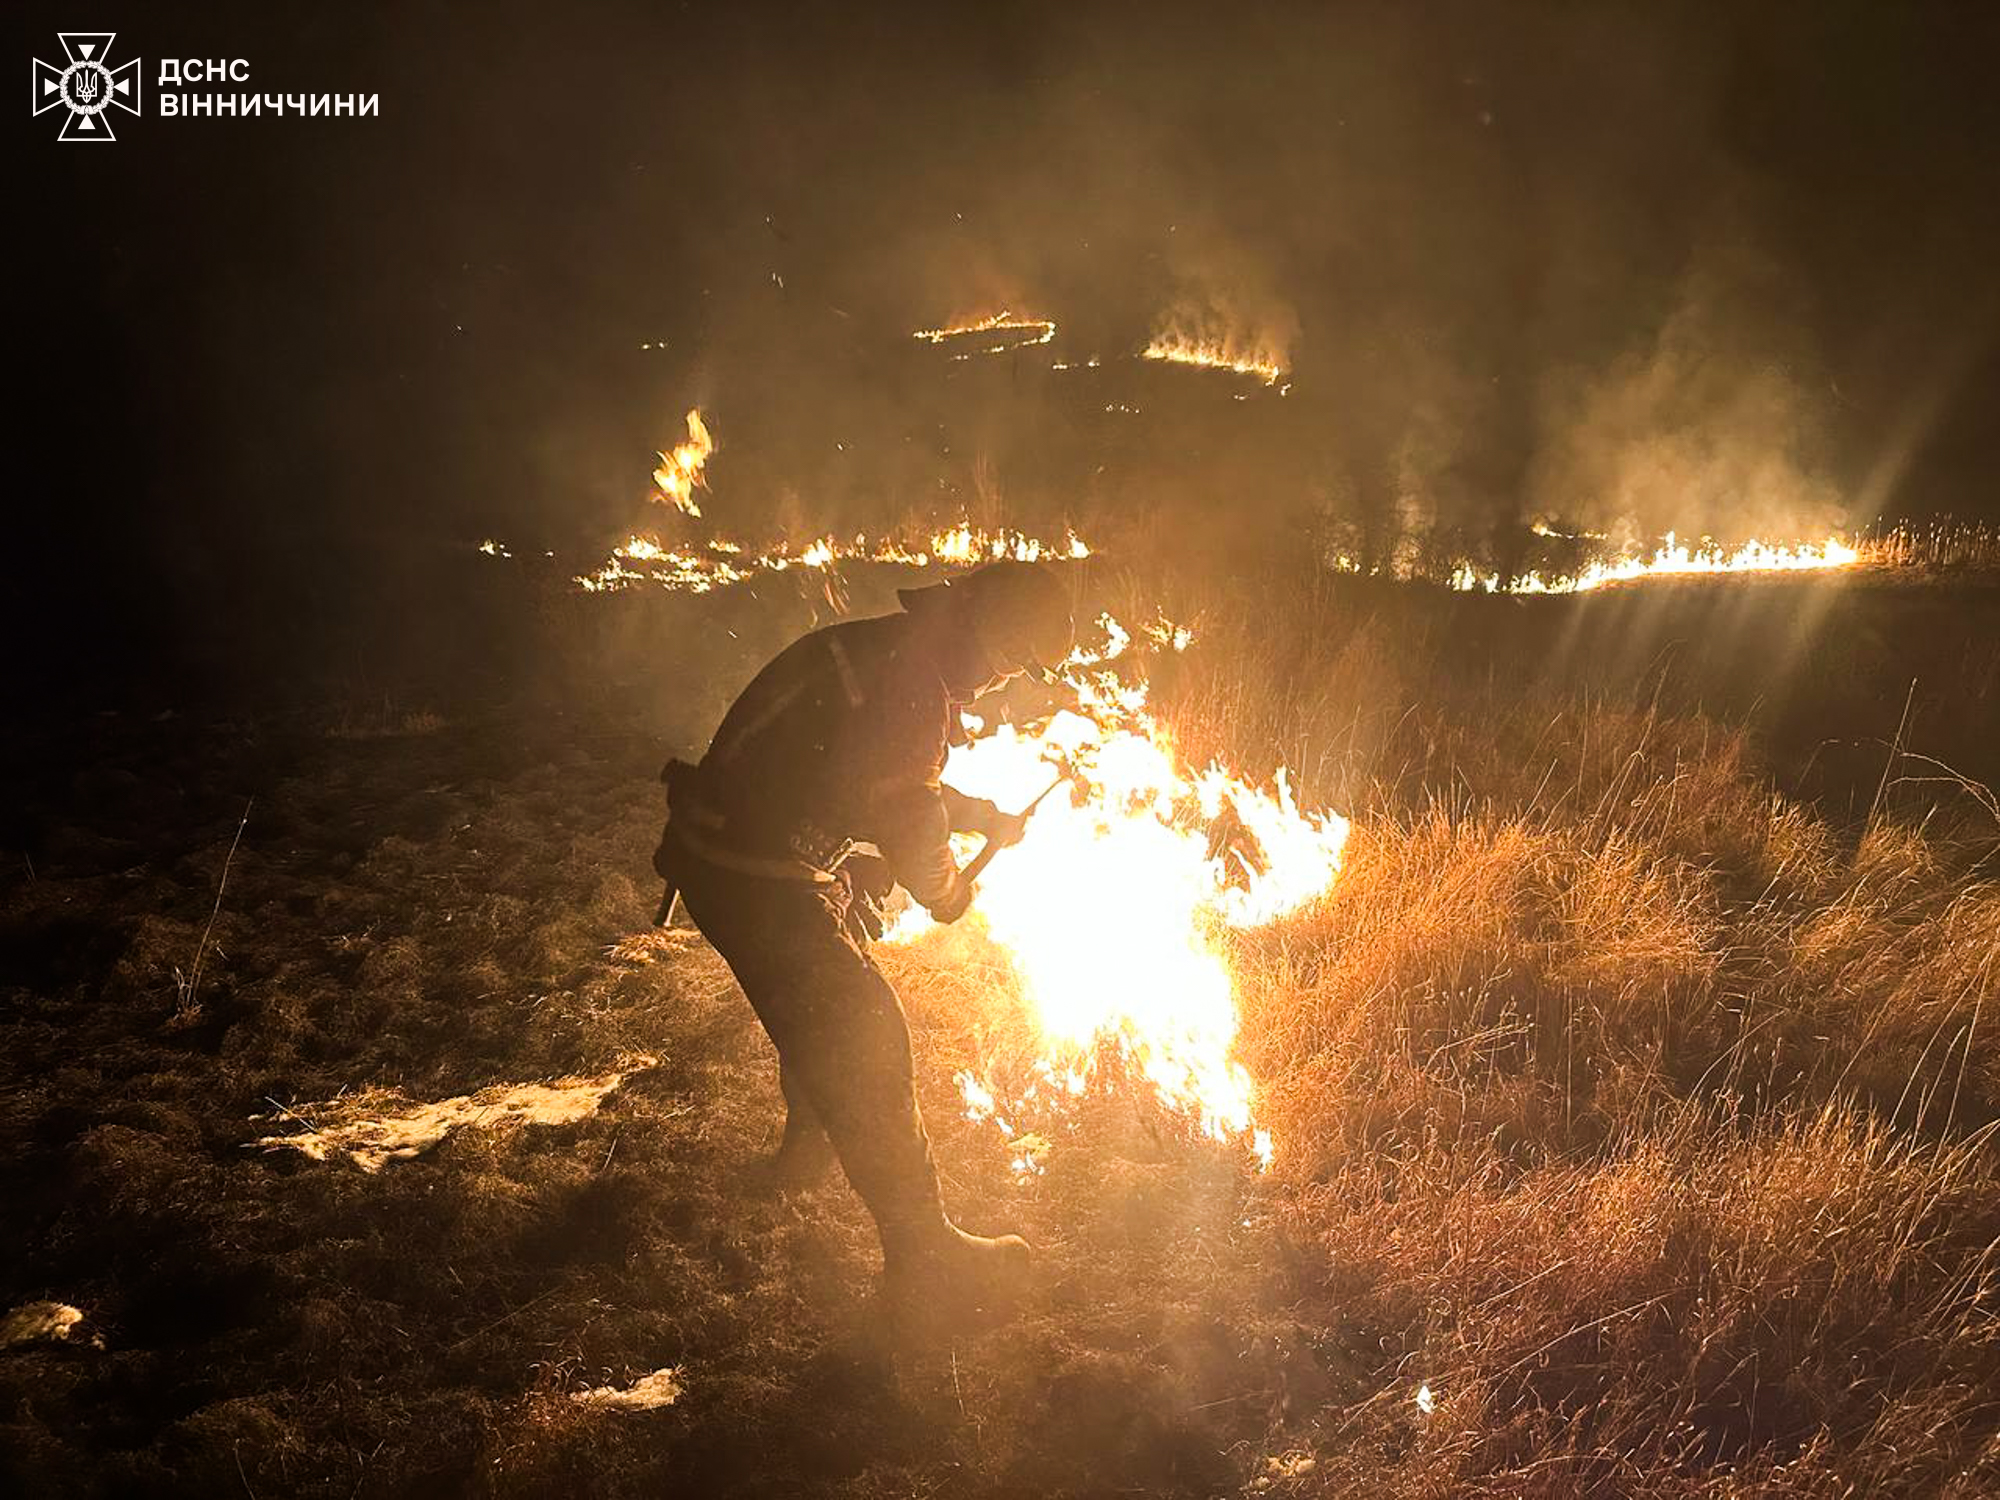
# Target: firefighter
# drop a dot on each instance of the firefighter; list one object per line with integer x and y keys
{"x": 841, "y": 741}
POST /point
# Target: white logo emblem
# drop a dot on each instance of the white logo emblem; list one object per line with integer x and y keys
{"x": 87, "y": 88}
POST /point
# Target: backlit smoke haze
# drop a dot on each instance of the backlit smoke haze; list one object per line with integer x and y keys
{"x": 1621, "y": 269}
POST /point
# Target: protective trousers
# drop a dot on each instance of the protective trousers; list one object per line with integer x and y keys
{"x": 843, "y": 1041}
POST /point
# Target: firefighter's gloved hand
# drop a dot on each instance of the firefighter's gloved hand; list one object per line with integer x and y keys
{"x": 954, "y": 903}
{"x": 1006, "y": 828}
{"x": 870, "y": 875}
{"x": 869, "y": 881}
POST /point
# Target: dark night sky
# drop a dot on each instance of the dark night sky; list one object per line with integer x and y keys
{"x": 1523, "y": 257}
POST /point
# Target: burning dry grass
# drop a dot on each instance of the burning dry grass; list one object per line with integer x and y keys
{"x": 1560, "y": 562}
{"x": 1632, "y": 1124}
{"x": 1632, "y": 1114}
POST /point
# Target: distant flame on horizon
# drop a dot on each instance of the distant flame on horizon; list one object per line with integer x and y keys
{"x": 1179, "y": 349}
{"x": 698, "y": 568}
{"x": 1672, "y": 559}
{"x": 1015, "y": 332}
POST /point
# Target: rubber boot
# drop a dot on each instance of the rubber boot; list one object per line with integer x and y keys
{"x": 805, "y": 1155}
{"x": 932, "y": 1262}
{"x": 803, "y": 1158}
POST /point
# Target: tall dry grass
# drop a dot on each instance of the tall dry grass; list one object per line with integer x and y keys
{"x": 1640, "y": 1114}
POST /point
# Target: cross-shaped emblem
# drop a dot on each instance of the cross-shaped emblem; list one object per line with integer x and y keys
{"x": 87, "y": 87}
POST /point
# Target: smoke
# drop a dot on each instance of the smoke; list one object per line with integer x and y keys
{"x": 1568, "y": 267}
{"x": 1689, "y": 268}
{"x": 1512, "y": 272}
{"x": 1715, "y": 424}
{"x": 1226, "y": 296}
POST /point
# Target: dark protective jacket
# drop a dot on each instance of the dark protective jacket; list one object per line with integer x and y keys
{"x": 841, "y": 739}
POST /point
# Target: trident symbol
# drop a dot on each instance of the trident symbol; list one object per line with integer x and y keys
{"x": 88, "y": 88}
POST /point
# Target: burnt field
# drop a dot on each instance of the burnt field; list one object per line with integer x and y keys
{"x": 1632, "y": 1089}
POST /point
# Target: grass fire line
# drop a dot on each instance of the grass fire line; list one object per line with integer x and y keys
{"x": 1115, "y": 911}
{"x": 716, "y": 560}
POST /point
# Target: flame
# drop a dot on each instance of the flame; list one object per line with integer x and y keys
{"x": 716, "y": 561}
{"x": 700, "y": 568}
{"x": 1673, "y": 559}
{"x": 964, "y": 544}
{"x": 1015, "y": 333}
{"x": 1114, "y": 910}
{"x": 680, "y": 471}
{"x": 1179, "y": 349}
{"x": 1543, "y": 527}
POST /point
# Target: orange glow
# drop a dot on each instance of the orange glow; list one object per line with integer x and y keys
{"x": 1671, "y": 560}
{"x": 1175, "y": 348}
{"x": 698, "y": 568}
{"x": 1114, "y": 909}
{"x": 1008, "y": 331}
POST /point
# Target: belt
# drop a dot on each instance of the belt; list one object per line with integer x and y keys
{"x": 699, "y": 830}
{"x": 796, "y": 871}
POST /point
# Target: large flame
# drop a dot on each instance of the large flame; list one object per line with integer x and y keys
{"x": 680, "y": 471}
{"x": 1114, "y": 910}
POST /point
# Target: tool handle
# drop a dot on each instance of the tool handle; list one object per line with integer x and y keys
{"x": 976, "y": 866}
{"x": 978, "y": 863}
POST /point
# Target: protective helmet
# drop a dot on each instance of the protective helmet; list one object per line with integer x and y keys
{"x": 1019, "y": 612}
